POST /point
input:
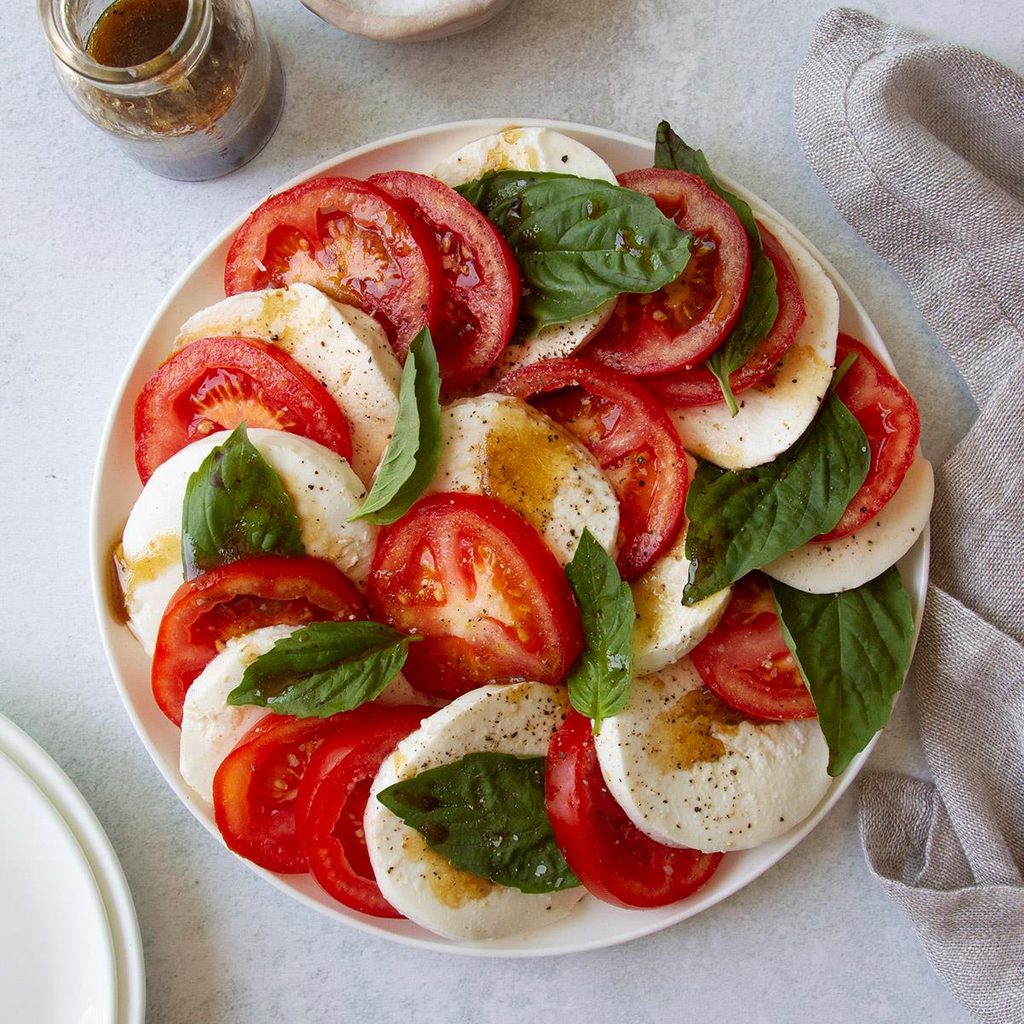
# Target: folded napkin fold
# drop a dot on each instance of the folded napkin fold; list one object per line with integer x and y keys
{"x": 920, "y": 146}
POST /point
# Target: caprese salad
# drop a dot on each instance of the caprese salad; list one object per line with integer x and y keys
{"x": 519, "y": 532}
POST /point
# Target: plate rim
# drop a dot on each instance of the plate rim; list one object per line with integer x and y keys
{"x": 98, "y": 555}
{"x": 101, "y": 859}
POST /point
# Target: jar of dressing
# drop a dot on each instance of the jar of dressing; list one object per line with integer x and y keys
{"x": 191, "y": 89}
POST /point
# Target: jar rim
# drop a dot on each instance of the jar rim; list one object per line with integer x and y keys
{"x": 69, "y": 50}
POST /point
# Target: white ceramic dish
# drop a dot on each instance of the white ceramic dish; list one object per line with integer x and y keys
{"x": 436, "y": 19}
{"x": 593, "y": 924}
{"x": 69, "y": 940}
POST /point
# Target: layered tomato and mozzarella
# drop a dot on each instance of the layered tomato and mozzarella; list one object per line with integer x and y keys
{"x": 589, "y": 426}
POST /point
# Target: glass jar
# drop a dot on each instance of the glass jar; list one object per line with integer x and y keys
{"x": 201, "y": 108}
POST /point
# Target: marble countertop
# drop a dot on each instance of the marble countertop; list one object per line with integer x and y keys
{"x": 92, "y": 244}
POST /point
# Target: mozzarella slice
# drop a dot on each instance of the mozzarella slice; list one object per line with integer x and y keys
{"x": 500, "y": 446}
{"x": 210, "y": 728}
{"x": 860, "y": 556}
{"x": 341, "y": 346}
{"x": 774, "y": 413}
{"x": 323, "y": 489}
{"x": 418, "y": 882}
{"x": 690, "y": 772}
{"x": 533, "y": 149}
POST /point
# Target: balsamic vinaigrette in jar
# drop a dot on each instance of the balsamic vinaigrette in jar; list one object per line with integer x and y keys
{"x": 131, "y": 32}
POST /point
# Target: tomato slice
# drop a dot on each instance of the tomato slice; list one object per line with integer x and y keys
{"x": 684, "y": 322}
{"x": 234, "y": 599}
{"x": 332, "y": 800}
{"x": 888, "y": 414}
{"x": 698, "y": 386}
{"x": 475, "y": 580}
{"x": 631, "y": 437}
{"x": 613, "y": 859}
{"x": 481, "y": 277}
{"x": 216, "y": 384}
{"x": 745, "y": 662}
{"x": 351, "y": 241}
{"x": 255, "y": 787}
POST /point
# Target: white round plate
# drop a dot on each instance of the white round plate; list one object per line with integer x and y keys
{"x": 69, "y": 939}
{"x": 593, "y": 924}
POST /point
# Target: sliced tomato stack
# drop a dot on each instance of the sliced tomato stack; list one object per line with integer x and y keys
{"x": 684, "y": 322}
{"x": 745, "y": 661}
{"x": 698, "y": 386}
{"x": 218, "y": 383}
{"x": 475, "y": 580}
{"x": 481, "y": 277}
{"x": 631, "y": 437}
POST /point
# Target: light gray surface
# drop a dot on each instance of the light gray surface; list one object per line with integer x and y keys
{"x": 91, "y": 246}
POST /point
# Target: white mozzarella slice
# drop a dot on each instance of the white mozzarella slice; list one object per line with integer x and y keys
{"x": 533, "y": 149}
{"x": 690, "y": 772}
{"x": 774, "y": 413}
{"x": 851, "y": 561}
{"x": 665, "y": 628}
{"x": 324, "y": 492}
{"x": 500, "y": 446}
{"x": 522, "y": 149}
{"x": 518, "y": 719}
{"x": 342, "y": 347}
{"x": 210, "y": 728}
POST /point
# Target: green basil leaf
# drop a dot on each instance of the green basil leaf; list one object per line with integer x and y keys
{"x": 740, "y": 521}
{"x": 236, "y": 507}
{"x": 600, "y": 680}
{"x": 762, "y": 304}
{"x": 411, "y": 460}
{"x": 853, "y": 650}
{"x": 324, "y": 668}
{"x": 579, "y": 242}
{"x": 486, "y": 815}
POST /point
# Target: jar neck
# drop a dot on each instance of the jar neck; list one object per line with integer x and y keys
{"x": 67, "y": 39}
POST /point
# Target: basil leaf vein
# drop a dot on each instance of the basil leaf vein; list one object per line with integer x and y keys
{"x": 853, "y": 650}
{"x": 579, "y": 242}
{"x": 742, "y": 520}
{"x": 485, "y": 814}
{"x": 411, "y": 459}
{"x": 324, "y": 668}
{"x": 236, "y": 507}
{"x": 762, "y": 303}
{"x": 600, "y": 681}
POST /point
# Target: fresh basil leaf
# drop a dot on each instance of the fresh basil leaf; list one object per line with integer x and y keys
{"x": 740, "y": 521}
{"x": 485, "y": 814}
{"x": 414, "y": 450}
{"x": 324, "y": 668}
{"x": 853, "y": 650}
{"x": 579, "y": 242}
{"x": 600, "y": 680}
{"x": 762, "y": 304}
{"x": 236, "y": 507}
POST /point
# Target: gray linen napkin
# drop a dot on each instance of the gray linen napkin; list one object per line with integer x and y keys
{"x": 921, "y": 148}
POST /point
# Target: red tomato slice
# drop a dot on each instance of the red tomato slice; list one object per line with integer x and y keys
{"x": 332, "y": 800}
{"x": 631, "y": 437}
{"x": 481, "y": 300}
{"x": 234, "y": 599}
{"x": 684, "y": 322}
{"x": 613, "y": 859}
{"x": 699, "y": 387}
{"x": 888, "y": 414}
{"x": 745, "y": 662}
{"x": 216, "y": 384}
{"x": 474, "y": 579}
{"x": 352, "y": 242}
{"x": 255, "y": 787}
